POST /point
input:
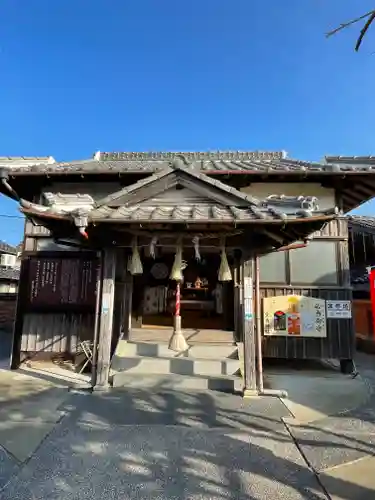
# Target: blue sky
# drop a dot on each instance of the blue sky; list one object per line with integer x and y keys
{"x": 88, "y": 75}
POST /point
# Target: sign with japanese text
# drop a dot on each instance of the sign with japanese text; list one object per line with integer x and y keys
{"x": 337, "y": 309}
{"x": 248, "y": 298}
{"x": 62, "y": 281}
{"x": 294, "y": 315}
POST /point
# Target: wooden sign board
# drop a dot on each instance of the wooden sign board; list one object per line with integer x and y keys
{"x": 62, "y": 281}
{"x": 294, "y": 315}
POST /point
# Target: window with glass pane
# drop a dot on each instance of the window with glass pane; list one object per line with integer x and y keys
{"x": 272, "y": 268}
{"x": 315, "y": 264}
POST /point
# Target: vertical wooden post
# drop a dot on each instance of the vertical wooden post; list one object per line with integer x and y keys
{"x": 106, "y": 318}
{"x": 128, "y": 323}
{"x": 99, "y": 279}
{"x": 250, "y": 383}
{"x": 258, "y": 325}
{"x": 236, "y": 298}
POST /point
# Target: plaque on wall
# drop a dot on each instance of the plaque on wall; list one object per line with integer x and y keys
{"x": 294, "y": 315}
{"x": 62, "y": 281}
{"x": 339, "y": 309}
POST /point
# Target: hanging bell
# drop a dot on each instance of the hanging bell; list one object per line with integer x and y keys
{"x": 135, "y": 264}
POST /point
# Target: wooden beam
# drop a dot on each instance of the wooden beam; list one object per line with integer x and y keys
{"x": 367, "y": 190}
{"x": 273, "y": 236}
{"x": 106, "y": 318}
{"x": 250, "y": 382}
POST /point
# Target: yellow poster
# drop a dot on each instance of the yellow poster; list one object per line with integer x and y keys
{"x": 294, "y": 315}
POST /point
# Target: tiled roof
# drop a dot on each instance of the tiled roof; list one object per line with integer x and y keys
{"x": 9, "y": 273}
{"x": 360, "y": 280}
{"x": 179, "y": 167}
{"x": 220, "y": 162}
{"x": 5, "y": 248}
{"x": 357, "y": 160}
{"x": 23, "y": 161}
{"x": 273, "y": 208}
{"x": 364, "y": 221}
{"x": 222, "y": 202}
{"x": 192, "y": 155}
{"x": 204, "y": 213}
{"x": 359, "y": 275}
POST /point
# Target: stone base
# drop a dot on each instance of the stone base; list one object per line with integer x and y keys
{"x": 101, "y": 388}
{"x": 250, "y": 393}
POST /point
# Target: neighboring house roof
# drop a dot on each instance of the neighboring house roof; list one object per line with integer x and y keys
{"x": 19, "y": 247}
{"x": 24, "y": 161}
{"x": 9, "y": 273}
{"x": 5, "y": 248}
{"x": 362, "y": 222}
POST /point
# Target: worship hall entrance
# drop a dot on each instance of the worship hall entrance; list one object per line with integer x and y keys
{"x": 205, "y": 303}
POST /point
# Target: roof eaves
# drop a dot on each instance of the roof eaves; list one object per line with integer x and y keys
{"x": 9, "y": 273}
{"x": 6, "y": 248}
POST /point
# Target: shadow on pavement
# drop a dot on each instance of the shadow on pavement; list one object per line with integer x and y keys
{"x": 172, "y": 445}
{"x": 5, "y": 349}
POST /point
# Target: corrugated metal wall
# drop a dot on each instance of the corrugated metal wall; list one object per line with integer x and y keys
{"x": 340, "y": 340}
{"x": 55, "y": 333}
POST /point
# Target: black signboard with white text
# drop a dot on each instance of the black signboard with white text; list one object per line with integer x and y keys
{"x": 62, "y": 281}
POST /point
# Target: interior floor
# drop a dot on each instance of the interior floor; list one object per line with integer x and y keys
{"x": 192, "y": 336}
{"x": 189, "y": 319}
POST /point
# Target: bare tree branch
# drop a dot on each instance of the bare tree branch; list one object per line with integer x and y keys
{"x": 371, "y": 17}
{"x": 345, "y": 25}
{"x": 364, "y": 30}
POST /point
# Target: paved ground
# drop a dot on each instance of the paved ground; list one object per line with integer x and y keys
{"x": 5, "y": 348}
{"x": 316, "y": 390}
{"x": 133, "y": 444}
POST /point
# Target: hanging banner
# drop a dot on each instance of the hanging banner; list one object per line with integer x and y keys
{"x": 294, "y": 315}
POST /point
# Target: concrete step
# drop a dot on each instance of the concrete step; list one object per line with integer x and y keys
{"x": 180, "y": 366}
{"x": 178, "y": 382}
{"x": 202, "y": 351}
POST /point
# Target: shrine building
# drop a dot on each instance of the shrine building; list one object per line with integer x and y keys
{"x": 188, "y": 268}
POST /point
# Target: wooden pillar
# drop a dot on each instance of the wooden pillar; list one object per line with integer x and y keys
{"x": 250, "y": 382}
{"x": 106, "y": 317}
{"x": 129, "y": 306}
{"x": 258, "y": 324}
{"x": 236, "y": 297}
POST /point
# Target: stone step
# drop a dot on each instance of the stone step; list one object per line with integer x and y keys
{"x": 202, "y": 351}
{"x": 180, "y": 366}
{"x": 176, "y": 382}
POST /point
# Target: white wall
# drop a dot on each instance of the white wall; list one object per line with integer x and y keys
{"x": 8, "y": 260}
{"x": 326, "y": 196}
